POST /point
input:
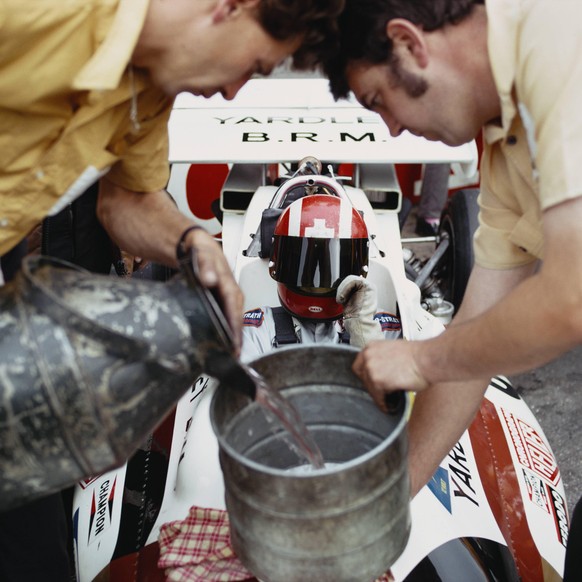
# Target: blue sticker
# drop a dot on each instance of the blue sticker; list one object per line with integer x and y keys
{"x": 388, "y": 321}
{"x": 254, "y": 317}
{"x": 439, "y": 485}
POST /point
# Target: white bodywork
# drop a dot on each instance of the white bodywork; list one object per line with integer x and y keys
{"x": 278, "y": 121}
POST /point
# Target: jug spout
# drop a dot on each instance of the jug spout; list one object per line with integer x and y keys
{"x": 231, "y": 373}
{"x": 213, "y": 347}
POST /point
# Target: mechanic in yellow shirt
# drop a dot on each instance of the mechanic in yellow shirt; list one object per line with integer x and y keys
{"x": 444, "y": 70}
{"x": 86, "y": 88}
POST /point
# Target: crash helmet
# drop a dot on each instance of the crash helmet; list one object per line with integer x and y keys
{"x": 318, "y": 241}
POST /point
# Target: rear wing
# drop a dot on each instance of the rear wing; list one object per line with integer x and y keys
{"x": 283, "y": 120}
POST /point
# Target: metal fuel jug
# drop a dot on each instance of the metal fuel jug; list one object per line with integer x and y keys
{"x": 89, "y": 365}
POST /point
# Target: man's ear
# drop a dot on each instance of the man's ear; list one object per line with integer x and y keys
{"x": 408, "y": 37}
{"x": 225, "y": 9}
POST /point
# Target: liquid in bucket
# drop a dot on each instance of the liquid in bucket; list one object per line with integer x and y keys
{"x": 276, "y": 406}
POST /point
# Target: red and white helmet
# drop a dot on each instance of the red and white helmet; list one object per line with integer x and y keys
{"x": 318, "y": 241}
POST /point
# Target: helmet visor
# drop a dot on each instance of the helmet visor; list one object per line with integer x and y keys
{"x": 316, "y": 266}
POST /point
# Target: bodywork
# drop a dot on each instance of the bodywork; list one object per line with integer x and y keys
{"x": 500, "y": 483}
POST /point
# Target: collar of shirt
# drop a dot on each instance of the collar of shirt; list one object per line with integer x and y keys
{"x": 106, "y": 67}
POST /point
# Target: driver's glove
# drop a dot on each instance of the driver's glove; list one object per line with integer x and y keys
{"x": 358, "y": 296}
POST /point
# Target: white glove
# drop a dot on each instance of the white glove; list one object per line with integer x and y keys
{"x": 358, "y": 296}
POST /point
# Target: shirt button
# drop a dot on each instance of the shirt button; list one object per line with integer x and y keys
{"x": 39, "y": 174}
{"x": 511, "y": 140}
{"x": 3, "y": 222}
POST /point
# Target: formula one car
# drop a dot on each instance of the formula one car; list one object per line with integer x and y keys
{"x": 495, "y": 509}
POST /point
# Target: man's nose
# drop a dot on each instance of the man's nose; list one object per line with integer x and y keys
{"x": 229, "y": 91}
{"x": 394, "y": 127}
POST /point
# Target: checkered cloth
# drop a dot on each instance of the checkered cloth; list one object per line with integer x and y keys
{"x": 197, "y": 549}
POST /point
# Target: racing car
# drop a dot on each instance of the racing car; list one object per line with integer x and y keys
{"x": 495, "y": 509}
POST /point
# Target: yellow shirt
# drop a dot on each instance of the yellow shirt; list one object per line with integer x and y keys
{"x": 534, "y": 159}
{"x": 65, "y": 99}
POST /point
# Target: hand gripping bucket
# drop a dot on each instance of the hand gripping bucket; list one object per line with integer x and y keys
{"x": 348, "y": 522}
{"x": 89, "y": 365}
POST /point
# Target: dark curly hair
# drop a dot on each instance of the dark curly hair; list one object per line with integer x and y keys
{"x": 362, "y": 31}
{"x": 315, "y": 19}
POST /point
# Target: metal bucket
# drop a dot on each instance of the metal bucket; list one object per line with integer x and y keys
{"x": 89, "y": 365}
{"x": 347, "y": 522}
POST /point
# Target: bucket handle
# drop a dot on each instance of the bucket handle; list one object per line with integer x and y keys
{"x": 51, "y": 304}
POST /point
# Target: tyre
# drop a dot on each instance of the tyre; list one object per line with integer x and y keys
{"x": 459, "y": 221}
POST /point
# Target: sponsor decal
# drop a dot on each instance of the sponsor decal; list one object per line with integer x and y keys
{"x": 76, "y": 526}
{"x": 200, "y": 384}
{"x": 86, "y": 482}
{"x": 455, "y": 480}
{"x": 439, "y": 485}
{"x": 504, "y": 385}
{"x": 101, "y": 510}
{"x": 461, "y": 476}
{"x": 315, "y": 309}
{"x": 312, "y": 129}
{"x": 388, "y": 321}
{"x": 558, "y": 507}
{"x": 536, "y": 490}
{"x": 196, "y": 390}
{"x": 76, "y": 541}
{"x": 254, "y": 318}
{"x": 532, "y": 452}
{"x": 311, "y": 136}
{"x": 183, "y": 449}
{"x": 294, "y": 119}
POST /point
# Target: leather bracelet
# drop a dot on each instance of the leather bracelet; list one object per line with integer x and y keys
{"x": 181, "y": 250}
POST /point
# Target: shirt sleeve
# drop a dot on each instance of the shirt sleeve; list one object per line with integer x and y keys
{"x": 144, "y": 164}
{"x": 508, "y": 234}
{"x": 549, "y": 85}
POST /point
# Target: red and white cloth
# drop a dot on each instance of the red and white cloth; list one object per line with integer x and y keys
{"x": 198, "y": 549}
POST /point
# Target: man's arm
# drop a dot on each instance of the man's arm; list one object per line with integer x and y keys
{"x": 535, "y": 323}
{"x": 441, "y": 415}
{"x": 150, "y": 225}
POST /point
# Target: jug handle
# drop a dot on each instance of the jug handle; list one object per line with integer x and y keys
{"x": 189, "y": 267}
{"x": 220, "y": 364}
{"x": 394, "y": 402}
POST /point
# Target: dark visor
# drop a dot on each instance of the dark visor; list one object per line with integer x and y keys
{"x": 317, "y": 265}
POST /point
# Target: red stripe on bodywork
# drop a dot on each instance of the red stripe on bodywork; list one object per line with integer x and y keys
{"x": 499, "y": 479}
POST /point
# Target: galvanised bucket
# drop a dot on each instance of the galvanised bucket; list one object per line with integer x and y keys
{"x": 346, "y": 522}
{"x": 89, "y": 365}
